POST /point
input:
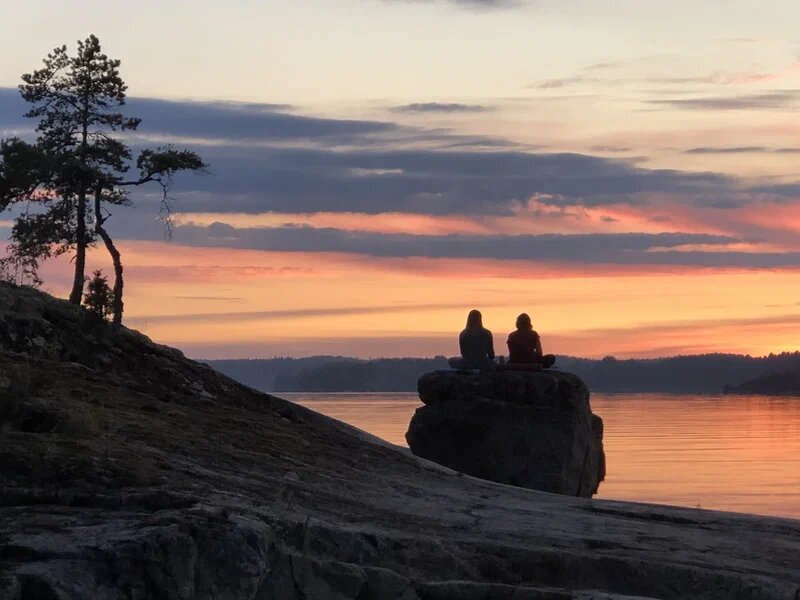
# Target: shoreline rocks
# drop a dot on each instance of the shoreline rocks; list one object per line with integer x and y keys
{"x": 528, "y": 429}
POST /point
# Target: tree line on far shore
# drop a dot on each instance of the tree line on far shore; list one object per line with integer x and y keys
{"x": 707, "y": 373}
{"x": 64, "y": 183}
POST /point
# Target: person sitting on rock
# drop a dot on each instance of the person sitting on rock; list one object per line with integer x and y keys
{"x": 525, "y": 345}
{"x": 476, "y": 343}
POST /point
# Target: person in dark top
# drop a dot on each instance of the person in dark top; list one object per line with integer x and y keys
{"x": 525, "y": 345}
{"x": 476, "y": 343}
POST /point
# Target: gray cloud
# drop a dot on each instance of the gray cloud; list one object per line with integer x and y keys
{"x": 726, "y": 150}
{"x": 440, "y": 107}
{"x": 560, "y": 82}
{"x": 611, "y": 149}
{"x": 778, "y": 99}
{"x": 625, "y": 249}
{"x": 216, "y": 120}
{"x": 454, "y": 181}
{"x": 630, "y": 249}
{"x": 585, "y": 76}
{"x": 253, "y": 124}
{"x": 724, "y": 204}
{"x": 243, "y": 121}
{"x": 783, "y": 189}
{"x": 740, "y": 150}
{"x": 265, "y": 160}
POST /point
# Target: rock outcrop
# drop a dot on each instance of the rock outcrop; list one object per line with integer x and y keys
{"x": 530, "y": 429}
{"x": 128, "y": 471}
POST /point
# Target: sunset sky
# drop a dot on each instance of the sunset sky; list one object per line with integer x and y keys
{"x": 628, "y": 171}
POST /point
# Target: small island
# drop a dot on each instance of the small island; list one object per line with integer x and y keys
{"x": 784, "y": 383}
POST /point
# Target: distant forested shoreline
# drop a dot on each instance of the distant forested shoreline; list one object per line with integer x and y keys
{"x": 705, "y": 373}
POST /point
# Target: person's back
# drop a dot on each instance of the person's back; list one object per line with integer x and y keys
{"x": 525, "y": 345}
{"x": 477, "y": 347}
{"x": 522, "y": 345}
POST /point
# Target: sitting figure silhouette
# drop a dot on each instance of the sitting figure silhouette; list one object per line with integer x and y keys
{"x": 476, "y": 343}
{"x": 525, "y": 345}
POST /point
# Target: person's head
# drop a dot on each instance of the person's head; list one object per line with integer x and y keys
{"x": 474, "y": 320}
{"x": 524, "y": 322}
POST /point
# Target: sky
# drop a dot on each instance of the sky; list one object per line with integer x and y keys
{"x": 624, "y": 171}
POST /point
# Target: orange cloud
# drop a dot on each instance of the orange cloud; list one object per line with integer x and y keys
{"x": 536, "y": 216}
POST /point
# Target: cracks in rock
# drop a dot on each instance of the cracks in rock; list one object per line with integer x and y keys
{"x": 301, "y": 595}
{"x": 646, "y": 516}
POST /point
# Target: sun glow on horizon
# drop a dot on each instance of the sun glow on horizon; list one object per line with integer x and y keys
{"x": 229, "y": 303}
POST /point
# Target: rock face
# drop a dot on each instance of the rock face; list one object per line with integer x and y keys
{"x": 529, "y": 429}
{"x": 128, "y": 471}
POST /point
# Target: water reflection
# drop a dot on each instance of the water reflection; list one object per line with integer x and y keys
{"x": 719, "y": 452}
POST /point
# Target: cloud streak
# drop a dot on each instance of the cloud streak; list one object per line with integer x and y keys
{"x": 592, "y": 74}
{"x": 265, "y": 315}
{"x": 727, "y": 150}
{"x": 594, "y": 249}
{"x": 468, "y": 4}
{"x": 440, "y": 107}
{"x": 741, "y": 150}
{"x": 777, "y": 99}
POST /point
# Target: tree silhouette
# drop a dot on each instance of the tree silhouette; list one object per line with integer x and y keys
{"x": 99, "y": 299}
{"x": 77, "y": 167}
{"x": 23, "y": 168}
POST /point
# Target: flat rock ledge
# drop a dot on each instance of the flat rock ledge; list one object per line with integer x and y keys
{"x": 529, "y": 429}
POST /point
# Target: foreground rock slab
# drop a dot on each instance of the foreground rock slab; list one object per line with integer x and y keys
{"x": 530, "y": 429}
{"x": 130, "y": 472}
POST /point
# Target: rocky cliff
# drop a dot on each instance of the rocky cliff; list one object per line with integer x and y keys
{"x": 130, "y": 472}
{"x": 530, "y": 429}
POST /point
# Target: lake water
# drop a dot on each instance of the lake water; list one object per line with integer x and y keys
{"x": 739, "y": 453}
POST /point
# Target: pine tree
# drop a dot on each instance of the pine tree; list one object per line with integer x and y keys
{"x": 99, "y": 299}
{"x": 77, "y": 168}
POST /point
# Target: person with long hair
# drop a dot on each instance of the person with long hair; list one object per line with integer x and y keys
{"x": 525, "y": 345}
{"x": 476, "y": 344}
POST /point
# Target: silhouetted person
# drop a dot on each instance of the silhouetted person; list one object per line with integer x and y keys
{"x": 476, "y": 343}
{"x": 525, "y": 345}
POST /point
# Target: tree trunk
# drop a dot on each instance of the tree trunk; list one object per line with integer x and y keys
{"x": 116, "y": 258}
{"x": 76, "y": 294}
{"x": 117, "y": 304}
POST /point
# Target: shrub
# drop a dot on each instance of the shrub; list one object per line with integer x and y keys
{"x": 99, "y": 299}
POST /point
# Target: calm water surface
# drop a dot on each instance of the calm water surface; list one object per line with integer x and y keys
{"x": 719, "y": 452}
